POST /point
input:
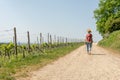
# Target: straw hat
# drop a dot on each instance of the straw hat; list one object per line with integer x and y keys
{"x": 89, "y": 30}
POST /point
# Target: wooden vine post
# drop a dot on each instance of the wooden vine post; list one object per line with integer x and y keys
{"x": 15, "y": 41}
{"x": 28, "y": 35}
{"x": 40, "y": 39}
{"x": 48, "y": 38}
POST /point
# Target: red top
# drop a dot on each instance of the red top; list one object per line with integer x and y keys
{"x": 89, "y": 37}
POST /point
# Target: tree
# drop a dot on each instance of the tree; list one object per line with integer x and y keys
{"x": 107, "y": 16}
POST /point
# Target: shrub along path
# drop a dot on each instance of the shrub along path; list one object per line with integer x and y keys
{"x": 78, "y": 65}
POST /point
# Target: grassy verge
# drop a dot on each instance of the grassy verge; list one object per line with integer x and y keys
{"x": 20, "y": 66}
{"x": 112, "y": 42}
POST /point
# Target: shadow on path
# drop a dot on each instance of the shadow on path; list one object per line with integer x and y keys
{"x": 98, "y": 54}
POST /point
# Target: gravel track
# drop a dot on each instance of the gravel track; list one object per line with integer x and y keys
{"x": 78, "y": 65}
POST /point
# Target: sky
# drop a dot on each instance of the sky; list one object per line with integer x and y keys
{"x": 67, "y": 18}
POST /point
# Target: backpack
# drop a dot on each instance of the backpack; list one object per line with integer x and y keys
{"x": 89, "y": 37}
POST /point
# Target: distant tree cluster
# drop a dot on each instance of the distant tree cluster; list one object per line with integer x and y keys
{"x": 107, "y": 16}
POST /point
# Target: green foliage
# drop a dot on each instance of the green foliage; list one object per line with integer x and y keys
{"x": 2, "y": 46}
{"x": 6, "y": 47}
{"x": 23, "y": 46}
{"x": 115, "y": 25}
{"x": 113, "y": 41}
{"x": 10, "y": 46}
{"x": 45, "y": 45}
{"x": 106, "y": 15}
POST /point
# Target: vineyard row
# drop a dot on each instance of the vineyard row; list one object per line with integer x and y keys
{"x": 7, "y": 50}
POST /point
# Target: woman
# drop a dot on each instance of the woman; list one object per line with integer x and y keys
{"x": 89, "y": 41}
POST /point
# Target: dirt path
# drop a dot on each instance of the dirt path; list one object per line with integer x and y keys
{"x": 78, "y": 65}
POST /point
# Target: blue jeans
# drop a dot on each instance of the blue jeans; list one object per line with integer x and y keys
{"x": 88, "y": 46}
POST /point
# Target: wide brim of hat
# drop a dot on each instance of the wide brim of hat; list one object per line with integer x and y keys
{"x": 89, "y": 30}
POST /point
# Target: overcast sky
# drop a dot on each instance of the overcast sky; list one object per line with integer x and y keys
{"x": 67, "y": 18}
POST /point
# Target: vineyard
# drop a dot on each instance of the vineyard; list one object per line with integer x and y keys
{"x": 15, "y": 48}
{"x": 18, "y": 50}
